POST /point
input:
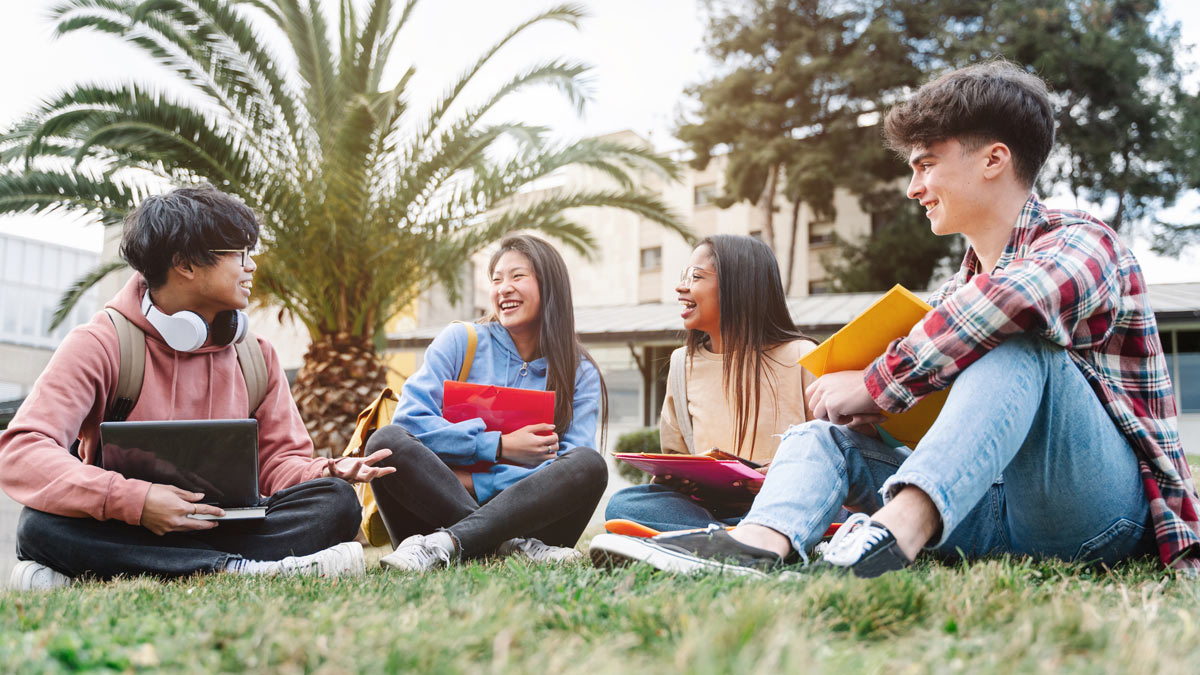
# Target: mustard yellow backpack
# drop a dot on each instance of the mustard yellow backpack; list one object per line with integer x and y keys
{"x": 379, "y": 414}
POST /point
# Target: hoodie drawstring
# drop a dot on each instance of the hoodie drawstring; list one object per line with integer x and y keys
{"x": 211, "y": 374}
{"x": 174, "y": 380}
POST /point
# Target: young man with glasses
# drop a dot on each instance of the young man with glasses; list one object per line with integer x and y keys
{"x": 1059, "y": 438}
{"x": 191, "y": 249}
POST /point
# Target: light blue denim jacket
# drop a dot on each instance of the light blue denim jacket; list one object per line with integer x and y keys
{"x": 498, "y": 363}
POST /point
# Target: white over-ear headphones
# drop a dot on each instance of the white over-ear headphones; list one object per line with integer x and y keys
{"x": 187, "y": 331}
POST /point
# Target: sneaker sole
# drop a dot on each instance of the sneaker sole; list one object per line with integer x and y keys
{"x": 610, "y": 550}
{"x": 25, "y": 571}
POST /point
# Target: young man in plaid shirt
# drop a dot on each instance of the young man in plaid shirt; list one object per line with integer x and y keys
{"x": 1059, "y": 438}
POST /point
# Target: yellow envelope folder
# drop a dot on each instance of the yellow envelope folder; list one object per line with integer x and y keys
{"x": 864, "y": 339}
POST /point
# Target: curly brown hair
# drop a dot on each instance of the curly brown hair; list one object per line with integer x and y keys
{"x": 995, "y": 101}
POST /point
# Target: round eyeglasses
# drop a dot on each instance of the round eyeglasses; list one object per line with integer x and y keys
{"x": 692, "y": 274}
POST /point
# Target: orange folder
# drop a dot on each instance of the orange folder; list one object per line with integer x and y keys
{"x": 502, "y": 409}
{"x": 864, "y": 339}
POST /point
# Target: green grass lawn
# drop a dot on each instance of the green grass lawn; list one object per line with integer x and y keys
{"x": 995, "y": 616}
{"x": 1005, "y": 615}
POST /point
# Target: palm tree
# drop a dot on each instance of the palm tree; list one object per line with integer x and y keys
{"x": 365, "y": 203}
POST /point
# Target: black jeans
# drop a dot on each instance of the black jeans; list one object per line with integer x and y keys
{"x": 300, "y": 520}
{"x": 552, "y": 504}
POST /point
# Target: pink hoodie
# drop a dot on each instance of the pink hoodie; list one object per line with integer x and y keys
{"x": 72, "y": 394}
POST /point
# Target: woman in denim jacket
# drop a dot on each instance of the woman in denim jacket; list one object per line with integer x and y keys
{"x": 461, "y": 491}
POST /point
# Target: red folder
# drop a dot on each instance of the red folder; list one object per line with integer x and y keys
{"x": 717, "y": 475}
{"x": 502, "y": 409}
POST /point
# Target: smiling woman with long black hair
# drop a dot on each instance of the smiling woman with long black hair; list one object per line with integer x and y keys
{"x": 736, "y": 385}
{"x": 461, "y": 491}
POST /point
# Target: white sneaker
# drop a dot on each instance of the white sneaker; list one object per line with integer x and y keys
{"x": 535, "y": 550}
{"x": 28, "y": 575}
{"x": 421, "y": 553}
{"x": 341, "y": 560}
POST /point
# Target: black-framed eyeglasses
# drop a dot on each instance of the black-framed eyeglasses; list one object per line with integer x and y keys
{"x": 246, "y": 253}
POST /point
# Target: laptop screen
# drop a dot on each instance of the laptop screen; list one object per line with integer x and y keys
{"x": 216, "y": 457}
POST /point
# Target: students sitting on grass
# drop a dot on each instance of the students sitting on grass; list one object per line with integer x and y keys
{"x": 190, "y": 248}
{"x": 461, "y": 491}
{"x": 736, "y": 383}
{"x": 1059, "y": 437}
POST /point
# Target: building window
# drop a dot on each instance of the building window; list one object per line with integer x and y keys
{"x": 705, "y": 194}
{"x": 651, "y": 259}
{"x": 820, "y": 287}
{"x": 10, "y": 391}
{"x": 820, "y": 238}
{"x": 1183, "y": 359}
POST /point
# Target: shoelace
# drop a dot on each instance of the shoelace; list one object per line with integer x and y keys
{"x": 852, "y": 539}
{"x": 425, "y": 555}
{"x": 533, "y": 547}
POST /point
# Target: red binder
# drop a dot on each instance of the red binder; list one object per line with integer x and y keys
{"x": 502, "y": 409}
{"x": 718, "y": 475}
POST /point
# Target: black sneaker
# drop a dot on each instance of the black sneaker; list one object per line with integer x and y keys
{"x": 863, "y": 547}
{"x": 686, "y": 552}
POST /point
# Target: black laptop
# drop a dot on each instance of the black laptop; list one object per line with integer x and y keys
{"x": 216, "y": 457}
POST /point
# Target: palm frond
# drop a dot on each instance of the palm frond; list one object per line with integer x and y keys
{"x": 387, "y": 42}
{"x": 46, "y": 192}
{"x": 366, "y": 46}
{"x": 238, "y": 49}
{"x": 569, "y": 14}
{"x": 70, "y": 298}
{"x": 550, "y": 206}
{"x": 362, "y": 206}
{"x": 144, "y": 125}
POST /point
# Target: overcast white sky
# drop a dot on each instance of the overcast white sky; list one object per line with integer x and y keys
{"x": 644, "y": 53}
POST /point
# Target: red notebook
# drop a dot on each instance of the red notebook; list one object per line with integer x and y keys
{"x": 717, "y": 475}
{"x": 502, "y": 409}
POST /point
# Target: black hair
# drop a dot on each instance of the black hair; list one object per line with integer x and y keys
{"x": 984, "y": 103}
{"x": 182, "y": 227}
{"x": 754, "y": 318}
{"x": 557, "y": 340}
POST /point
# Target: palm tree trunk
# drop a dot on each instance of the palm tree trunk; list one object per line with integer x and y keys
{"x": 342, "y": 374}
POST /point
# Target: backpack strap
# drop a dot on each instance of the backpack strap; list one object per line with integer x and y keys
{"x": 131, "y": 352}
{"x": 678, "y": 383}
{"x": 472, "y": 340}
{"x": 254, "y": 370}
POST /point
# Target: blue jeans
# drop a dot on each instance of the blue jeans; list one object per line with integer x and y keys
{"x": 1022, "y": 459}
{"x": 665, "y": 508}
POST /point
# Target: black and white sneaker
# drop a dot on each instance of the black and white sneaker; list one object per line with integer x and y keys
{"x": 863, "y": 547}
{"x": 686, "y": 552}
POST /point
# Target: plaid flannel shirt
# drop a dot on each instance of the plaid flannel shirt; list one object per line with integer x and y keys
{"x": 1066, "y": 277}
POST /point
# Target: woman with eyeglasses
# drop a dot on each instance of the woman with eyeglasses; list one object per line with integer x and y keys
{"x": 461, "y": 491}
{"x": 736, "y": 382}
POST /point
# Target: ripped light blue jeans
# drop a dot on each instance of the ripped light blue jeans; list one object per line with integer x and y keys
{"x": 1022, "y": 459}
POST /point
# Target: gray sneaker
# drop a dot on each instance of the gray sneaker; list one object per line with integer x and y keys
{"x": 536, "y": 551}
{"x": 421, "y": 553}
{"x": 336, "y": 561}
{"x": 28, "y": 575}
